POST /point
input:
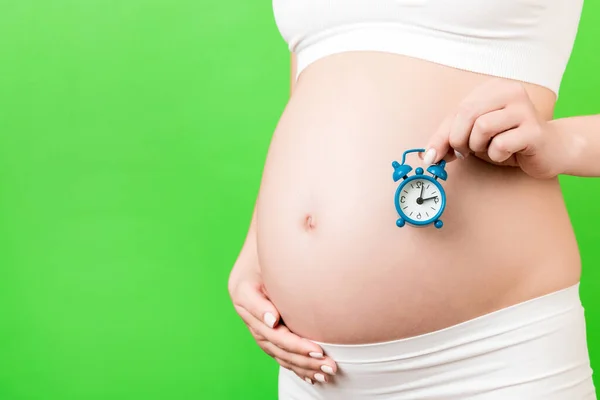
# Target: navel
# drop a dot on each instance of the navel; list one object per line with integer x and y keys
{"x": 309, "y": 222}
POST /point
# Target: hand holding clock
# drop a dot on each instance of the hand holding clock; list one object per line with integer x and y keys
{"x": 497, "y": 122}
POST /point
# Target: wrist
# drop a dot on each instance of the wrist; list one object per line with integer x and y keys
{"x": 247, "y": 260}
{"x": 243, "y": 269}
{"x": 570, "y": 145}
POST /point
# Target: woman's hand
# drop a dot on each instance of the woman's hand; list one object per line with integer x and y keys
{"x": 299, "y": 355}
{"x": 498, "y": 123}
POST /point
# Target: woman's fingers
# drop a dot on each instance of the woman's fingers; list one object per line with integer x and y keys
{"x": 304, "y": 367}
{"x": 324, "y": 364}
{"x": 311, "y": 377}
{"x": 249, "y": 296}
{"x": 299, "y": 354}
{"x": 483, "y": 100}
{"x": 488, "y": 125}
{"x": 295, "y": 351}
{"x": 290, "y": 342}
{"x": 300, "y": 373}
{"x": 281, "y": 337}
{"x": 438, "y": 147}
{"x": 290, "y": 352}
{"x": 508, "y": 143}
{"x": 455, "y": 131}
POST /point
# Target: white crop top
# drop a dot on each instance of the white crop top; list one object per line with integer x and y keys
{"x": 526, "y": 40}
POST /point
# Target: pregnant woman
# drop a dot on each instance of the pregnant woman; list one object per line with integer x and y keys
{"x": 353, "y": 306}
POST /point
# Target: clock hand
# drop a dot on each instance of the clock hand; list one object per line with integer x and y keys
{"x": 422, "y": 187}
{"x": 429, "y": 198}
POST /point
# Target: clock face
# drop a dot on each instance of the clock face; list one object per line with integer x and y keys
{"x": 420, "y": 199}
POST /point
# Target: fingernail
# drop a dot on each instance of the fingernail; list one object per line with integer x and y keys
{"x": 429, "y": 156}
{"x": 308, "y": 380}
{"x": 314, "y": 354}
{"x": 327, "y": 369}
{"x": 269, "y": 319}
{"x": 320, "y": 377}
{"x": 459, "y": 155}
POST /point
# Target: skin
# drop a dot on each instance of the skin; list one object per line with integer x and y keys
{"x": 498, "y": 123}
{"x": 251, "y": 302}
{"x": 328, "y": 262}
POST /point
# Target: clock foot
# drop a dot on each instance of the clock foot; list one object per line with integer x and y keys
{"x": 399, "y": 222}
{"x": 438, "y": 224}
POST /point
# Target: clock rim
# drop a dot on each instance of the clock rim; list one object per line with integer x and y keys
{"x": 407, "y": 218}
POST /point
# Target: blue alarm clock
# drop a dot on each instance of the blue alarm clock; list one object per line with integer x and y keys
{"x": 420, "y": 199}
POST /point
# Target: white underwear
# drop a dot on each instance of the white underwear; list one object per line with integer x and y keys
{"x": 533, "y": 350}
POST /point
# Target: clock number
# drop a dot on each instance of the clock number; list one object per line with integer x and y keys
{"x": 402, "y": 199}
{"x": 419, "y": 216}
{"x": 436, "y": 200}
{"x": 419, "y": 183}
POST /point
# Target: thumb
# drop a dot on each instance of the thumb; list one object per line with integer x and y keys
{"x": 258, "y": 304}
{"x": 438, "y": 146}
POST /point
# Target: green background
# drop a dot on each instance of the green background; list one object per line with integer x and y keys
{"x": 132, "y": 139}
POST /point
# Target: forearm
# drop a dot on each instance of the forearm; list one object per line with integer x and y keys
{"x": 582, "y": 149}
{"x": 249, "y": 252}
{"x": 247, "y": 260}
{"x": 250, "y": 245}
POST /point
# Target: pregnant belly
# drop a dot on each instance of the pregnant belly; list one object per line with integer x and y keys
{"x": 333, "y": 260}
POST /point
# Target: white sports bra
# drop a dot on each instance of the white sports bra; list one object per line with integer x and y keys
{"x": 526, "y": 40}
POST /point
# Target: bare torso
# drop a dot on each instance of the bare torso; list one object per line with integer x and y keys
{"x": 335, "y": 264}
